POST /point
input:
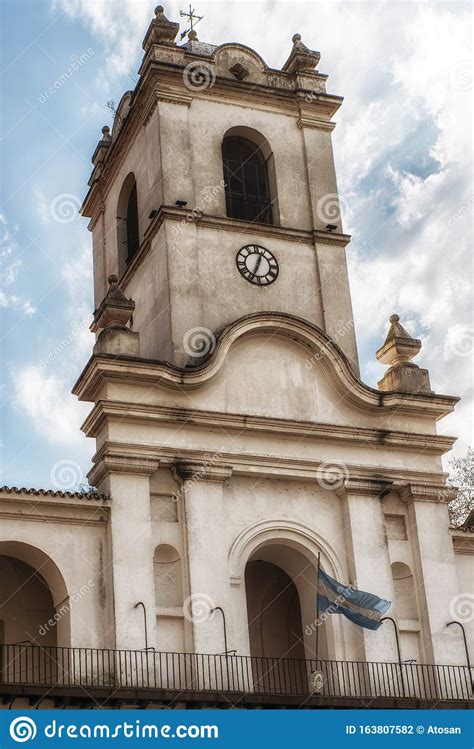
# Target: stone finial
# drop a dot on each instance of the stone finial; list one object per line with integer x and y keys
{"x": 160, "y": 30}
{"x": 111, "y": 318}
{"x": 192, "y": 36}
{"x": 399, "y": 346}
{"x": 397, "y": 351}
{"x": 102, "y": 146}
{"x": 301, "y": 58}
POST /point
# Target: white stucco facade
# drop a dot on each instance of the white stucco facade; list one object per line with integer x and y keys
{"x": 265, "y": 449}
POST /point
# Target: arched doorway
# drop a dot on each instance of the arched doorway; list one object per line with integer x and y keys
{"x": 274, "y": 612}
{"x": 26, "y": 604}
{"x": 44, "y": 569}
{"x": 35, "y": 614}
{"x": 280, "y": 586}
{"x": 30, "y": 618}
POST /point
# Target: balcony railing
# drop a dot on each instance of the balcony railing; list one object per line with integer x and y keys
{"x": 195, "y": 672}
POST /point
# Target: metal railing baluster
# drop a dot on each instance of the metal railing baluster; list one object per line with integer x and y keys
{"x": 98, "y": 667}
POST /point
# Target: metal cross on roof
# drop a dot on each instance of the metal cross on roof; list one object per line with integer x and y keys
{"x": 193, "y": 20}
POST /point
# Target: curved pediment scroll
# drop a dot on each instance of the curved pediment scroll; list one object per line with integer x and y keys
{"x": 240, "y": 62}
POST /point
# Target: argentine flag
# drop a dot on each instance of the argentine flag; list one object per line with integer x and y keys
{"x": 364, "y": 609}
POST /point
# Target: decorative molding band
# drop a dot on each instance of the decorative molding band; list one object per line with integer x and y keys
{"x": 315, "y": 123}
{"x": 331, "y": 238}
{"x": 189, "y": 472}
{"x": 464, "y": 545}
{"x": 417, "y": 492}
{"x": 225, "y": 223}
{"x": 24, "y": 516}
{"x": 107, "y": 461}
{"x": 291, "y": 468}
{"x": 104, "y": 411}
{"x": 354, "y": 486}
{"x": 171, "y": 98}
{"x": 97, "y": 213}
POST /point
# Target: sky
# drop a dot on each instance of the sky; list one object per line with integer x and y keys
{"x": 402, "y": 146}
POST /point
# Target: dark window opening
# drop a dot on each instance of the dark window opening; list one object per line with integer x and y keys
{"x": 247, "y": 191}
{"x": 133, "y": 239}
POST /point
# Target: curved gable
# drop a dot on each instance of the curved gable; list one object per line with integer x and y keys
{"x": 240, "y": 62}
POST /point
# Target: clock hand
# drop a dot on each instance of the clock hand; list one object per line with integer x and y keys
{"x": 257, "y": 266}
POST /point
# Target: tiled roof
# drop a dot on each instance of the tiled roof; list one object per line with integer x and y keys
{"x": 54, "y": 493}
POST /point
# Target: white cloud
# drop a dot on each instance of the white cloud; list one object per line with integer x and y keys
{"x": 9, "y": 272}
{"x": 45, "y": 398}
{"x": 43, "y": 390}
{"x": 420, "y": 268}
{"x": 120, "y": 27}
{"x": 41, "y": 205}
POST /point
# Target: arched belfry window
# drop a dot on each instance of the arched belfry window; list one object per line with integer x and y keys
{"x": 128, "y": 235}
{"x": 132, "y": 224}
{"x": 248, "y": 191}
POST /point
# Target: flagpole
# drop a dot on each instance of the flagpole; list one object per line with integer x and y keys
{"x": 317, "y": 609}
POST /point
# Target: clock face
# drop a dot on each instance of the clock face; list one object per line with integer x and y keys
{"x": 257, "y": 264}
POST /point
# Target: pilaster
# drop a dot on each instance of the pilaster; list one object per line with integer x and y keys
{"x": 368, "y": 558}
{"x": 203, "y": 490}
{"x": 128, "y": 480}
{"x": 437, "y": 579}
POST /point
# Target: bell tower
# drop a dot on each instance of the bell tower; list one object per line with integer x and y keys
{"x": 214, "y": 196}
{"x": 234, "y": 436}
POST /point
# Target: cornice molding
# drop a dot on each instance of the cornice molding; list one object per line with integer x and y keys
{"x": 361, "y": 486}
{"x": 224, "y": 223}
{"x": 311, "y": 89}
{"x": 463, "y": 544}
{"x": 359, "y": 477}
{"x": 108, "y": 461}
{"x": 99, "y": 519}
{"x": 107, "y": 410}
{"x": 315, "y": 123}
{"x": 189, "y": 472}
{"x": 421, "y": 492}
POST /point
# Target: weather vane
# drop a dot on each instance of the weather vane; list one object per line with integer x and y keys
{"x": 193, "y": 20}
